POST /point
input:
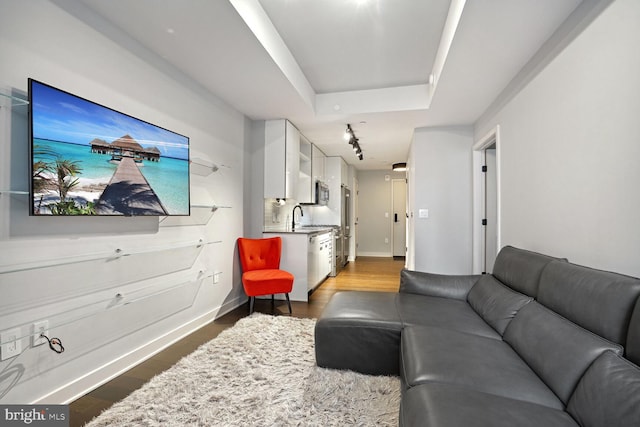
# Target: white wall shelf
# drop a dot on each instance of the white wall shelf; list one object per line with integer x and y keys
{"x": 8, "y": 100}
{"x": 140, "y": 264}
{"x": 200, "y": 215}
{"x": 203, "y": 167}
{"x": 107, "y": 256}
{"x": 18, "y": 192}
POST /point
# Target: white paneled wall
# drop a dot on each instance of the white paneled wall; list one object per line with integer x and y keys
{"x": 114, "y": 290}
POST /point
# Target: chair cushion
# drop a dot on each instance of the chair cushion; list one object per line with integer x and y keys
{"x": 260, "y": 254}
{"x": 445, "y": 405}
{"x": 608, "y": 394}
{"x": 436, "y": 355}
{"x": 267, "y": 282}
{"x": 420, "y": 310}
{"x": 496, "y": 303}
{"x": 558, "y": 350}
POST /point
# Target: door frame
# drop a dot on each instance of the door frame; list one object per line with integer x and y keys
{"x": 479, "y": 193}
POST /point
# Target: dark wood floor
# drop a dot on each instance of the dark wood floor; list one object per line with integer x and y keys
{"x": 366, "y": 274}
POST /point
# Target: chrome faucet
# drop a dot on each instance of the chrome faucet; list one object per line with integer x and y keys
{"x": 293, "y": 217}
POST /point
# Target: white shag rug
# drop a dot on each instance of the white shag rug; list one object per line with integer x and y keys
{"x": 260, "y": 372}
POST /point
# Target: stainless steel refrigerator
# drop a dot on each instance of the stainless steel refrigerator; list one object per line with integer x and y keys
{"x": 345, "y": 224}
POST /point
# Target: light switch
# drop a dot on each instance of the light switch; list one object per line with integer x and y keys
{"x": 423, "y": 213}
{"x": 386, "y": 214}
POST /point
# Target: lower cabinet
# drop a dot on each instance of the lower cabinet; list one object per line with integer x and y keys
{"x": 307, "y": 257}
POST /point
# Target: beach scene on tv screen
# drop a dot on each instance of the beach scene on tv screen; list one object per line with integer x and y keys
{"x": 91, "y": 160}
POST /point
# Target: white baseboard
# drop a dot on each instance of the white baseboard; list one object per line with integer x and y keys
{"x": 94, "y": 379}
{"x": 376, "y": 254}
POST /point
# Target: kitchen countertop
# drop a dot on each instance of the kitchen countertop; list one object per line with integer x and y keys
{"x": 303, "y": 230}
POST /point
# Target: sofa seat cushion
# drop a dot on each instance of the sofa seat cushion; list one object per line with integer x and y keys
{"x": 359, "y": 331}
{"x": 608, "y": 394}
{"x": 437, "y": 355}
{"x": 445, "y": 405}
{"x": 420, "y": 310}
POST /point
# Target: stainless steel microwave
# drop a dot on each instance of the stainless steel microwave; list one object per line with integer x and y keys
{"x": 322, "y": 193}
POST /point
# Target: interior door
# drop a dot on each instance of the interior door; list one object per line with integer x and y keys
{"x": 356, "y": 213}
{"x": 491, "y": 209}
{"x": 399, "y": 196}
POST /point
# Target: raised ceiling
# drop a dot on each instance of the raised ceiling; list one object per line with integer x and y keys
{"x": 325, "y": 63}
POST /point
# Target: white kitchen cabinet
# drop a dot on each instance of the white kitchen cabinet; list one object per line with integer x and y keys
{"x": 305, "y": 181}
{"x": 281, "y": 159}
{"x": 317, "y": 164}
{"x": 324, "y": 257}
{"x": 306, "y": 257}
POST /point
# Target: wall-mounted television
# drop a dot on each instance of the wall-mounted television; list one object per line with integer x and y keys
{"x": 88, "y": 159}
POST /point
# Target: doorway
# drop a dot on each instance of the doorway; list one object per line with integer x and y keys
{"x": 399, "y": 231}
{"x": 486, "y": 193}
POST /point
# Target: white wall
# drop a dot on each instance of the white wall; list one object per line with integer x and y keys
{"x": 375, "y": 212}
{"x": 570, "y": 149}
{"x": 39, "y": 40}
{"x": 440, "y": 181}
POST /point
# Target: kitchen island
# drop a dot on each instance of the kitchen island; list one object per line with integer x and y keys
{"x": 307, "y": 253}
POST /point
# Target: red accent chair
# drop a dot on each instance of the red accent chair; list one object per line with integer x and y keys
{"x": 261, "y": 274}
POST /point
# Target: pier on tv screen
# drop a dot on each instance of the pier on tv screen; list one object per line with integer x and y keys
{"x": 88, "y": 159}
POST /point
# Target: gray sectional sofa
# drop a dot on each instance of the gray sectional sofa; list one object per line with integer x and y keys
{"x": 540, "y": 342}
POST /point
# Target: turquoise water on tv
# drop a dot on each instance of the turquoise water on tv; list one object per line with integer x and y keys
{"x": 169, "y": 178}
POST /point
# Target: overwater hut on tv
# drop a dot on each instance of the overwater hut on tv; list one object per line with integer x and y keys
{"x": 125, "y": 146}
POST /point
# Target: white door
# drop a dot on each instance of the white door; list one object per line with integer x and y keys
{"x": 491, "y": 209}
{"x": 399, "y": 196}
{"x": 356, "y": 212}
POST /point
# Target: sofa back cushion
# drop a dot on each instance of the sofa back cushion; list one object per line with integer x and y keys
{"x": 599, "y": 301}
{"x": 520, "y": 269}
{"x": 608, "y": 394}
{"x": 558, "y": 350}
{"x": 632, "y": 349}
{"x": 496, "y": 303}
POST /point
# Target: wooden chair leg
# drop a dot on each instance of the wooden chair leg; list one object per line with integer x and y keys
{"x": 288, "y": 303}
{"x": 251, "y": 301}
{"x": 273, "y": 302}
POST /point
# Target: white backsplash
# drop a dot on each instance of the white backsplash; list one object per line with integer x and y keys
{"x": 278, "y": 217}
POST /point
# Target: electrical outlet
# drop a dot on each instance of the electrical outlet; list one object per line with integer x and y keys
{"x": 10, "y": 344}
{"x": 38, "y": 328}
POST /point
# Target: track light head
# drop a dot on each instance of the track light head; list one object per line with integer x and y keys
{"x": 350, "y": 137}
{"x": 348, "y": 133}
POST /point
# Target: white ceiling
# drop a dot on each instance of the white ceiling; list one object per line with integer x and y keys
{"x": 325, "y": 63}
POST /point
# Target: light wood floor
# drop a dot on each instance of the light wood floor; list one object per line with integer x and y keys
{"x": 365, "y": 274}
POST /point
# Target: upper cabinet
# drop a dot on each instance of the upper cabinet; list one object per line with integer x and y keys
{"x": 281, "y": 159}
{"x": 292, "y": 164}
{"x": 317, "y": 164}
{"x": 336, "y": 172}
{"x": 305, "y": 181}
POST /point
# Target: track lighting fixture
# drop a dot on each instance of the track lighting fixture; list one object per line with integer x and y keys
{"x": 350, "y": 137}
